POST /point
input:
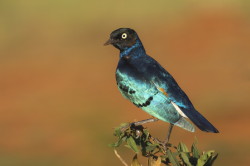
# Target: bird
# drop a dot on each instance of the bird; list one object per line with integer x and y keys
{"x": 143, "y": 81}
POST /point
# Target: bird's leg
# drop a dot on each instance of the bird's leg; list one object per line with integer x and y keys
{"x": 165, "y": 143}
{"x": 169, "y": 133}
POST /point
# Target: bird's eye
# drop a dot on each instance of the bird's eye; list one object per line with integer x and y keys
{"x": 124, "y": 36}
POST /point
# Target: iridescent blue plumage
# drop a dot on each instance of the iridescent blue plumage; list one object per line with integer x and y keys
{"x": 144, "y": 82}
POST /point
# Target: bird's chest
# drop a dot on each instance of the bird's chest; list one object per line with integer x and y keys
{"x": 128, "y": 85}
{"x": 133, "y": 85}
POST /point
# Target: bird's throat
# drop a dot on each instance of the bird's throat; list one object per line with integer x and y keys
{"x": 136, "y": 50}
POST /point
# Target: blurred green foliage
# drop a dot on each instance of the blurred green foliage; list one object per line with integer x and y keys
{"x": 141, "y": 141}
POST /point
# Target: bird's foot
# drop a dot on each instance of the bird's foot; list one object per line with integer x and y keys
{"x": 166, "y": 145}
{"x": 163, "y": 144}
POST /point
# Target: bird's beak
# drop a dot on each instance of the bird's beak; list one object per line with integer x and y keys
{"x": 108, "y": 42}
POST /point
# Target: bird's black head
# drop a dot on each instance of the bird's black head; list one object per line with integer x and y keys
{"x": 122, "y": 38}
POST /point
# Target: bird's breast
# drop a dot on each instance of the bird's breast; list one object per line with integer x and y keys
{"x": 138, "y": 91}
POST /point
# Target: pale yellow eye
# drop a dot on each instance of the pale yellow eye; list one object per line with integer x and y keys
{"x": 124, "y": 35}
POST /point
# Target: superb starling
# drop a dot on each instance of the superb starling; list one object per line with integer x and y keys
{"x": 144, "y": 82}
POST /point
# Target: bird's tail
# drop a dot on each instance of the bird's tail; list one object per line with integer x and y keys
{"x": 183, "y": 123}
{"x": 200, "y": 121}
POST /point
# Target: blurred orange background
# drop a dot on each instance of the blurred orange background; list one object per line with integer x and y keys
{"x": 59, "y": 102}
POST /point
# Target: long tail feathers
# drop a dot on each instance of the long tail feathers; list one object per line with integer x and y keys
{"x": 200, "y": 121}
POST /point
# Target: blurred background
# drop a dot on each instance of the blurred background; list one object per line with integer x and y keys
{"x": 58, "y": 97}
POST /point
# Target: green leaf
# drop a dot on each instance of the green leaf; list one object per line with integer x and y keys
{"x": 147, "y": 134}
{"x": 132, "y": 144}
{"x": 122, "y": 125}
{"x": 172, "y": 159}
{"x": 195, "y": 151}
{"x": 135, "y": 161}
{"x": 151, "y": 147}
{"x": 209, "y": 153}
{"x": 153, "y": 162}
{"x": 204, "y": 157}
{"x": 211, "y": 160}
{"x": 185, "y": 157}
{"x": 118, "y": 143}
{"x": 182, "y": 147}
{"x": 118, "y": 132}
{"x": 200, "y": 162}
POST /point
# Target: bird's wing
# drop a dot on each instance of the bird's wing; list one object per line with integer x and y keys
{"x": 155, "y": 74}
{"x": 167, "y": 85}
{"x": 162, "y": 90}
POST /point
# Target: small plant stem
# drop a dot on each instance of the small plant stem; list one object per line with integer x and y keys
{"x": 120, "y": 158}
